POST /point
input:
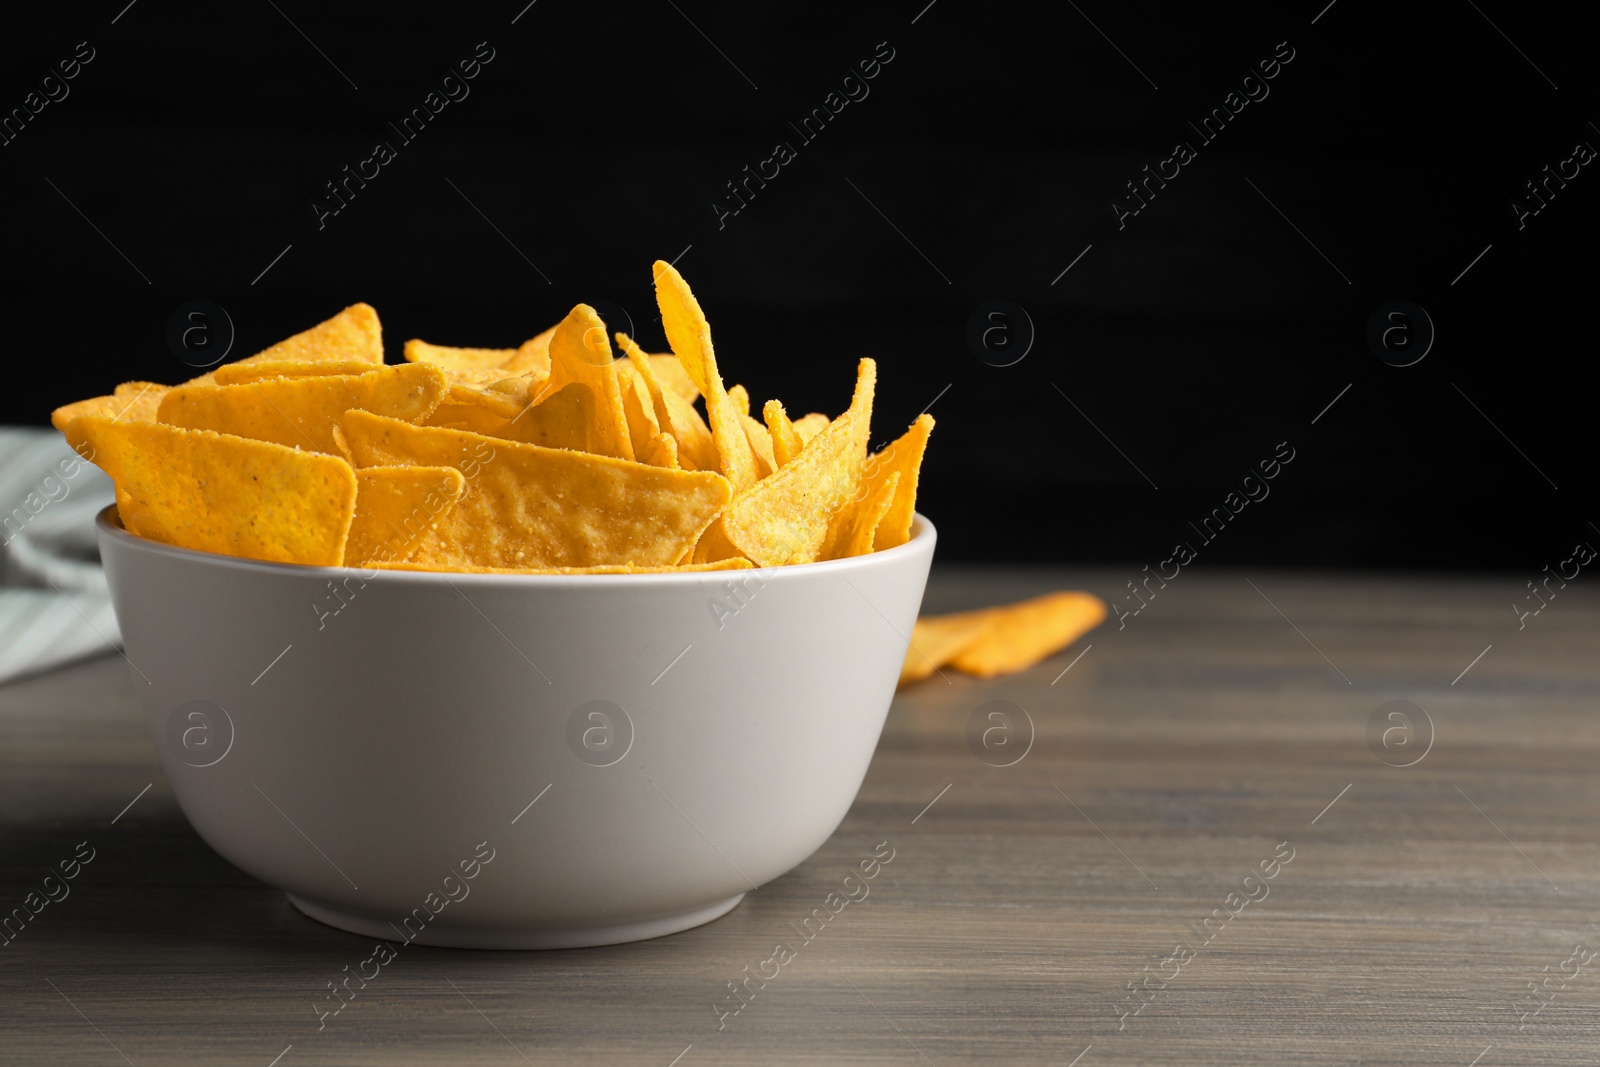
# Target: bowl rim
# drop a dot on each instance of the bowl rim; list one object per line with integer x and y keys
{"x": 108, "y": 523}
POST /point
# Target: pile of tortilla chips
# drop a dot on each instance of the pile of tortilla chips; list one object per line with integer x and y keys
{"x": 559, "y": 456}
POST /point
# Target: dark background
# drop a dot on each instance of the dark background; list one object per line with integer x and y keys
{"x": 1197, "y": 338}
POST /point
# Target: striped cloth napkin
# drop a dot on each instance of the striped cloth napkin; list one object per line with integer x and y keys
{"x": 54, "y": 607}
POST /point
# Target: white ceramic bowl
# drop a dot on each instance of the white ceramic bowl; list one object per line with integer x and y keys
{"x": 512, "y": 761}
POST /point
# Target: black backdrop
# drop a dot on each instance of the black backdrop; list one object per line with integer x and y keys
{"x": 1182, "y": 346}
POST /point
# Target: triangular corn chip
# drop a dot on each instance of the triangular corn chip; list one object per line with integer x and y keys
{"x": 662, "y": 451}
{"x": 396, "y": 507}
{"x": 937, "y": 639}
{"x": 528, "y": 506}
{"x": 448, "y": 358}
{"x": 674, "y": 414}
{"x": 904, "y": 458}
{"x": 786, "y": 444}
{"x": 790, "y": 516}
{"x": 672, "y": 376}
{"x": 533, "y": 357}
{"x": 245, "y": 372}
{"x": 580, "y": 354}
{"x": 353, "y": 334}
{"x": 1017, "y": 636}
{"x": 808, "y": 426}
{"x": 643, "y": 426}
{"x": 866, "y": 512}
{"x": 220, "y": 493}
{"x": 690, "y": 338}
{"x": 303, "y": 411}
{"x": 131, "y": 402}
{"x": 754, "y": 432}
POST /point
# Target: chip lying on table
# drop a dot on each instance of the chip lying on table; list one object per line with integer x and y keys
{"x": 562, "y": 455}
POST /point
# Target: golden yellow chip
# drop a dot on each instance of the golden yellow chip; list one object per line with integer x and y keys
{"x": 672, "y": 376}
{"x": 303, "y": 411}
{"x": 808, "y": 426}
{"x": 754, "y": 432}
{"x": 395, "y": 509}
{"x": 662, "y": 451}
{"x": 643, "y": 426}
{"x": 353, "y": 334}
{"x": 529, "y": 506}
{"x": 506, "y": 397}
{"x": 786, "y": 443}
{"x": 611, "y": 568}
{"x": 674, "y": 414}
{"x": 739, "y": 397}
{"x": 131, "y": 402}
{"x": 903, "y": 458}
{"x": 865, "y": 513}
{"x": 533, "y": 357}
{"x": 690, "y": 338}
{"x": 1017, "y": 636}
{"x": 581, "y": 355}
{"x": 788, "y": 517}
{"x": 219, "y": 493}
{"x": 565, "y": 419}
{"x": 937, "y": 639}
{"x": 448, "y": 358}
{"x": 245, "y": 372}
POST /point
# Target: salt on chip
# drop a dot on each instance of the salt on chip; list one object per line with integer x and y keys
{"x": 396, "y": 507}
{"x": 696, "y": 449}
{"x": 903, "y": 458}
{"x": 581, "y": 355}
{"x": 528, "y": 506}
{"x": 789, "y": 516}
{"x": 786, "y": 443}
{"x": 245, "y": 372}
{"x": 303, "y": 411}
{"x": 690, "y": 338}
{"x": 938, "y": 639}
{"x": 220, "y": 493}
{"x": 130, "y": 402}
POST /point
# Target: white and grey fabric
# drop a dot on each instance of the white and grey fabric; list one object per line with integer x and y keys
{"x": 54, "y": 607}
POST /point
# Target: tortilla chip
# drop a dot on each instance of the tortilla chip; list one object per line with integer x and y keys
{"x": 904, "y": 458}
{"x": 865, "y": 515}
{"x": 690, "y": 338}
{"x": 790, "y": 516}
{"x": 754, "y": 432}
{"x": 130, "y": 402}
{"x": 530, "y": 506}
{"x": 611, "y": 568}
{"x": 580, "y": 354}
{"x": 675, "y": 415}
{"x": 672, "y": 376}
{"x": 219, "y": 493}
{"x": 662, "y": 451}
{"x": 786, "y": 444}
{"x": 395, "y": 509}
{"x": 447, "y": 358}
{"x": 244, "y": 372}
{"x": 301, "y": 412}
{"x": 353, "y": 334}
{"x": 808, "y": 426}
{"x": 938, "y": 639}
{"x": 533, "y": 357}
{"x": 505, "y": 396}
{"x": 1017, "y": 636}
{"x": 643, "y": 426}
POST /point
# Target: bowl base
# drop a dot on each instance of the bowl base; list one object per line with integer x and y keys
{"x": 550, "y": 938}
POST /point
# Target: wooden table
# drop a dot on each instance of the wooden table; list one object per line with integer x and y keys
{"x": 1226, "y": 724}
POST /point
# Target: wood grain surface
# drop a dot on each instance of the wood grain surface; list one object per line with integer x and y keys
{"x": 1224, "y": 727}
